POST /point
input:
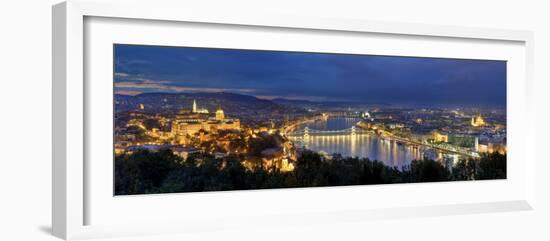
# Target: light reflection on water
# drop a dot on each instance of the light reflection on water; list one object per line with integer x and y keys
{"x": 363, "y": 145}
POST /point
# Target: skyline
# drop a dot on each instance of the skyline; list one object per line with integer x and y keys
{"x": 310, "y": 76}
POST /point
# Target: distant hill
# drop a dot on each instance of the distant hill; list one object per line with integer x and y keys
{"x": 211, "y": 101}
{"x": 293, "y": 102}
{"x": 326, "y": 104}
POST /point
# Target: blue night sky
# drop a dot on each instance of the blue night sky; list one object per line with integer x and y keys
{"x": 310, "y": 76}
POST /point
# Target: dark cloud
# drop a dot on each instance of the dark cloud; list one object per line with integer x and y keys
{"x": 315, "y": 76}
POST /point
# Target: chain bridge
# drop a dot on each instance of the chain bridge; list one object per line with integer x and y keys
{"x": 306, "y": 132}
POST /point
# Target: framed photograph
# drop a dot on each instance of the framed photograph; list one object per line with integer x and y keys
{"x": 179, "y": 121}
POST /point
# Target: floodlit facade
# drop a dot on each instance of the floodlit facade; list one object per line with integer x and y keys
{"x": 183, "y": 126}
{"x": 477, "y": 121}
{"x": 196, "y": 109}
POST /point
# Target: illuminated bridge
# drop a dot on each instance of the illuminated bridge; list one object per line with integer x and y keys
{"x": 353, "y": 131}
{"x": 306, "y": 132}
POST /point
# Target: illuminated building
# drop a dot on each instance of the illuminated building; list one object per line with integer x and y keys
{"x": 184, "y": 152}
{"x": 439, "y": 137}
{"x": 482, "y": 148}
{"x": 196, "y": 109}
{"x": 497, "y": 147}
{"x": 219, "y": 114}
{"x": 396, "y": 125}
{"x": 286, "y": 166}
{"x": 477, "y": 121}
{"x": 191, "y": 124}
{"x": 493, "y": 147}
{"x": 366, "y": 115}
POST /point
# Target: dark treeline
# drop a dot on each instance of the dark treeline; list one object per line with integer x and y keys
{"x": 163, "y": 172}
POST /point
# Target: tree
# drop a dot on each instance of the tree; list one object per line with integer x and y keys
{"x": 307, "y": 168}
{"x": 143, "y": 170}
{"x": 492, "y": 166}
{"x": 428, "y": 171}
{"x": 161, "y": 171}
{"x": 465, "y": 169}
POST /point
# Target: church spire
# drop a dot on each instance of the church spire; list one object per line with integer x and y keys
{"x": 219, "y": 114}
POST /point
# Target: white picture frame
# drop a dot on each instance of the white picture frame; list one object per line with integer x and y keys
{"x": 71, "y": 190}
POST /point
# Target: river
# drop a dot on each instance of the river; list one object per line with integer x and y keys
{"x": 361, "y": 145}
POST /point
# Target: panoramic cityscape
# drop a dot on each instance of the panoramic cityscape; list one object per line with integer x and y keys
{"x": 204, "y": 119}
